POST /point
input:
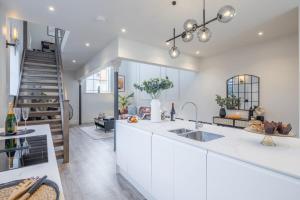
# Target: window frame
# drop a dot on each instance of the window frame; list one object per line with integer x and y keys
{"x": 96, "y": 77}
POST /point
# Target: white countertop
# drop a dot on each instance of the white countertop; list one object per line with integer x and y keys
{"x": 237, "y": 143}
{"x": 50, "y": 168}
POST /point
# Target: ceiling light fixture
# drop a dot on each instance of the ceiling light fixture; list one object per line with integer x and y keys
{"x": 123, "y": 30}
{"x": 87, "y": 44}
{"x": 224, "y": 15}
{"x": 260, "y": 33}
{"x": 100, "y": 18}
{"x": 51, "y": 8}
{"x": 197, "y": 52}
{"x": 174, "y": 51}
{"x": 73, "y": 61}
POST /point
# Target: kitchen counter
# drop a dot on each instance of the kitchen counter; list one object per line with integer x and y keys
{"x": 236, "y": 143}
{"x": 50, "y": 168}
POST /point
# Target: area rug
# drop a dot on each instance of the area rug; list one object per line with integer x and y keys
{"x": 96, "y": 133}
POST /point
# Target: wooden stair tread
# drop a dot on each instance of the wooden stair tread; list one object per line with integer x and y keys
{"x": 44, "y": 113}
{"x": 40, "y": 64}
{"x": 59, "y": 154}
{"x": 26, "y": 82}
{"x": 40, "y": 75}
{"x": 58, "y": 142}
{"x": 39, "y": 104}
{"x": 21, "y": 97}
{"x": 55, "y": 131}
{"x": 46, "y": 121}
{"x": 39, "y": 69}
{"x": 39, "y": 89}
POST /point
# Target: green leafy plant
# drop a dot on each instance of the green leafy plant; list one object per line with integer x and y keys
{"x": 124, "y": 101}
{"x": 231, "y": 102}
{"x": 154, "y": 86}
{"x": 220, "y": 101}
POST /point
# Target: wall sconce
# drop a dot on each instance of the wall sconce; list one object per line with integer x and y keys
{"x": 15, "y": 42}
{"x": 242, "y": 79}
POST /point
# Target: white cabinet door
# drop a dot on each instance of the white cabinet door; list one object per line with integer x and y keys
{"x": 162, "y": 168}
{"x": 189, "y": 172}
{"x": 229, "y": 179}
{"x": 122, "y": 141}
{"x": 139, "y": 157}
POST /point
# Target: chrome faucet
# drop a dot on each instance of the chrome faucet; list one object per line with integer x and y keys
{"x": 197, "y": 124}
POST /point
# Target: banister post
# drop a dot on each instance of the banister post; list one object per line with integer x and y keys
{"x": 66, "y": 130}
{"x": 116, "y": 65}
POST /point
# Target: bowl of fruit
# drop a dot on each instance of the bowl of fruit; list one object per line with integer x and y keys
{"x": 133, "y": 119}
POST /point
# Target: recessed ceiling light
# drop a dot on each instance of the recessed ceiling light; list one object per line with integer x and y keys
{"x": 123, "y": 30}
{"x": 87, "y": 44}
{"x": 197, "y": 52}
{"x": 73, "y": 61}
{"x": 167, "y": 43}
{"x": 260, "y": 33}
{"x": 100, "y": 18}
{"x": 51, "y": 8}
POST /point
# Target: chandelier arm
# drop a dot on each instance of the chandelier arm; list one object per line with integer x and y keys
{"x": 204, "y": 13}
{"x": 198, "y": 26}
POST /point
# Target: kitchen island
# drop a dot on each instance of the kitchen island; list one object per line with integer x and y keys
{"x": 163, "y": 165}
{"x": 49, "y": 168}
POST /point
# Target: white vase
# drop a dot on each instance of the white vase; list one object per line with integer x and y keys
{"x": 155, "y": 110}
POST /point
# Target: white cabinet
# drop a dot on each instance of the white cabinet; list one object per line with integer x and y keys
{"x": 139, "y": 158}
{"x": 230, "y": 179}
{"x": 178, "y": 170}
{"x": 162, "y": 168}
{"x": 134, "y": 155}
{"x": 122, "y": 142}
{"x": 189, "y": 172}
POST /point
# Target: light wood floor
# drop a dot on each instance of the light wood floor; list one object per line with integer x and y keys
{"x": 91, "y": 173}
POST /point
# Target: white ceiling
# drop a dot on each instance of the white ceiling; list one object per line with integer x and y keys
{"x": 151, "y": 22}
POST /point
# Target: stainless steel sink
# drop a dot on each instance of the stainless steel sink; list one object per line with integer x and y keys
{"x": 201, "y": 136}
{"x": 180, "y": 131}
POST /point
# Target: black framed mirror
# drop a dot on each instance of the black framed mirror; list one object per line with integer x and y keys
{"x": 246, "y": 88}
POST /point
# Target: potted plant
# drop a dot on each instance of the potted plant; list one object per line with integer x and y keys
{"x": 232, "y": 102}
{"x": 221, "y": 102}
{"x": 124, "y": 102}
{"x": 154, "y": 87}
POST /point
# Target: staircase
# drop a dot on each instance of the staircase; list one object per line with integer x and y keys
{"x": 41, "y": 89}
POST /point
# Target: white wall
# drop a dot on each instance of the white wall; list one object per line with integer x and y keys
{"x": 36, "y": 34}
{"x": 71, "y": 86}
{"x": 101, "y": 60}
{"x": 15, "y": 55}
{"x": 138, "y": 72}
{"x": 3, "y": 71}
{"x": 277, "y": 64}
{"x": 140, "y": 52}
{"x": 93, "y": 104}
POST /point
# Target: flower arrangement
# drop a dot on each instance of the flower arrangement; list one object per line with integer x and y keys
{"x": 154, "y": 86}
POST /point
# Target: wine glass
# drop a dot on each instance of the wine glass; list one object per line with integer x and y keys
{"x": 17, "y": 112}
{"x": 25, "y": 114}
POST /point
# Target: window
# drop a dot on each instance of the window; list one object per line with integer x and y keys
{"x": 99, "y": 82}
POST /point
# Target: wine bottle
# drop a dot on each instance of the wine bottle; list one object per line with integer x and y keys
{"x": 10, "y": 122}
{"x": 173, "y": 113}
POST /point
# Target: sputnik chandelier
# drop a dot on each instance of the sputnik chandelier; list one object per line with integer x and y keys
{"x": 225, "y": 14}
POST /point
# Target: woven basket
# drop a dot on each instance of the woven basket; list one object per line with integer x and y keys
{"x": 48, "y": 191}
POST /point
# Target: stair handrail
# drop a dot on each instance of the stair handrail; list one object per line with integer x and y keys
{"x": 64, "y": 103}
{"x": 16, "y": 99}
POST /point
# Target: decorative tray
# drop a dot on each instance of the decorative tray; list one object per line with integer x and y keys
{"x": 47, "y": 191}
